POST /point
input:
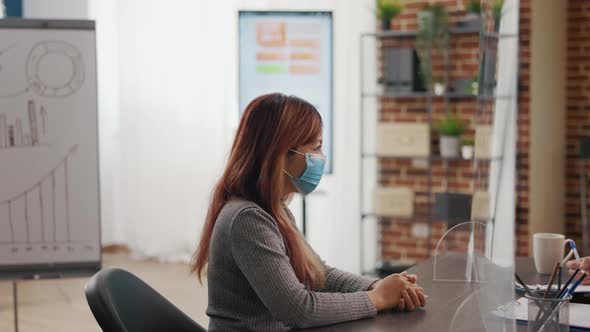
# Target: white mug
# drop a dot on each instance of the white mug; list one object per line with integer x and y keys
{"x": 548, "y": 248}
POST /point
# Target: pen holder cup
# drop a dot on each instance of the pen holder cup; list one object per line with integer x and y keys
{"x": 548, "y": 314}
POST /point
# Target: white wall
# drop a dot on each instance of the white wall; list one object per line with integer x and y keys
{"x": 171, "y": 110}
{"x": 168, "y": 109}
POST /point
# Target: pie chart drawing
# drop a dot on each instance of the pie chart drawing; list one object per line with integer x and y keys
{"x": 54, "y": 69}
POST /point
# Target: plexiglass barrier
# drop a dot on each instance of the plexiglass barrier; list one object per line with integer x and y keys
{"x": 460, "y": 254}
{"x": 488, "y": 308}
{"x": 463, "y": 265}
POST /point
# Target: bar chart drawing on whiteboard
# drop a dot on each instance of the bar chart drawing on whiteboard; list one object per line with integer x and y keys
{"x": 38, "y": 218}
{"x": 24, "y": 131}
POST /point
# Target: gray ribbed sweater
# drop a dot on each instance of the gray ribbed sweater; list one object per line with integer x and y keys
{"x": 252, "y": 286}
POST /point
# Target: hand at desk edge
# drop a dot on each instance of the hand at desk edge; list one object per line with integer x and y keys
{"x": 410, "y": 277}
{"x": 399, "y": 291}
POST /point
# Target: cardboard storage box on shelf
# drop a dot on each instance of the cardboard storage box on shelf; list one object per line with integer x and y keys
{"x": 483, "y": 142}
{"x": 480, "y": 206}
{"x": 403, "y": 140}
{"x": 394, "y": 202}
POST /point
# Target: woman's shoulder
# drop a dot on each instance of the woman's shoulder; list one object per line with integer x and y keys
{"x": 242, "y": 221}
{"x": 237, "y": 209}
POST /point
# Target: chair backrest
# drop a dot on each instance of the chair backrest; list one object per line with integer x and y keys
{"x": 121, "y": 302}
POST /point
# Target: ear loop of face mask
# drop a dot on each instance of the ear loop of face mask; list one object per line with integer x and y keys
{"x": 315, "y": 155}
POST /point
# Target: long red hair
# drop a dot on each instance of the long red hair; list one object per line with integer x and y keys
{"x": 270, "y": 125}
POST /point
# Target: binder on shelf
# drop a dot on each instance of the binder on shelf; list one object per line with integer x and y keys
{"x": 584, "y": 147}
{"x": 403, "y": 140}
{"x": 401, "y": 70}
{"x": 394, "y": 202}
{"x": 483, "y": 142}
{"x": 454, "y": 208}
{"x": 392, "y": 71}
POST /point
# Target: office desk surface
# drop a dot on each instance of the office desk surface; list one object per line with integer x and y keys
{"x": 444, "y": 300}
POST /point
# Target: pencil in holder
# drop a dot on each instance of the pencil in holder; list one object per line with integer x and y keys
{"x": 548, "y": 314}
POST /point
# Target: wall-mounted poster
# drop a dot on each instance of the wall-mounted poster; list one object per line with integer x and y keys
{"x": 291, "y": 53}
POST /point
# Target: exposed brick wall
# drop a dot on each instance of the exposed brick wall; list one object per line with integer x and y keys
{"x": 396, "y": 236}
{"x": 397, "y": 242}
{"x": 578, "y": 108}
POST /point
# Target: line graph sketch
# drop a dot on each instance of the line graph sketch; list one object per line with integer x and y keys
{"x": 39, "y": 216}
{"x": 39, "y": 70}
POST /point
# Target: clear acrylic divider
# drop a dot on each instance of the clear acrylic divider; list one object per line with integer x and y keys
{"x": 463, "y": 263}
{"x": 488, "y": 308}
{"x": 460, "y": 254}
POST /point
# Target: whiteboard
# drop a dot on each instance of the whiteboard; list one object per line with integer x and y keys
{"x": 290, "y": 53}
{"x": 49, "y": 181}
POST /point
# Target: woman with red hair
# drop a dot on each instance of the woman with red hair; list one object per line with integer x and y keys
{"x": 261, "y": 274}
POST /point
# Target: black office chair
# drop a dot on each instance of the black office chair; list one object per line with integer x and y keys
{"x": 121, "y": 302}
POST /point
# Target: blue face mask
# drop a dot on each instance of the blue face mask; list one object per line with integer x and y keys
{"x": 312, "y": 175}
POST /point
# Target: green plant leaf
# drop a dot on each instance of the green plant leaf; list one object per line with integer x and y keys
{"x": 497, "y": 8}
{"x": 433, "y": 30}
{"x": 473, "y": 6}
{"x": 388, "y": 9}
{"x": 450, "y": 125}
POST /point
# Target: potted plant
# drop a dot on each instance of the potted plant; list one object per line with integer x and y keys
{"x": 450, "y": 129}
{"x": 472, "y": 19}
{"x": 467, "y": 148}
{"x": 433, "y": 31}
{"x": 439, "y": 86}
{"x": 387, "y": 10}
{"x": 497, "y": 13}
